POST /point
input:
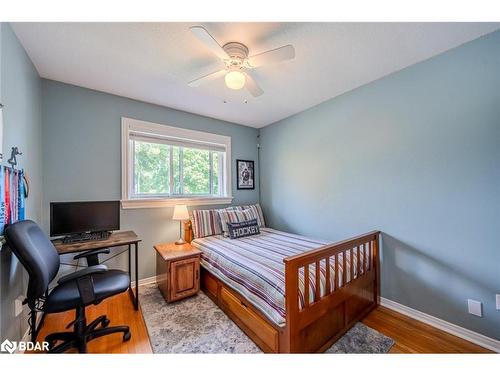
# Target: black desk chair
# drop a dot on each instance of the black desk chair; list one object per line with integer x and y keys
{"x": 74, "y": 291}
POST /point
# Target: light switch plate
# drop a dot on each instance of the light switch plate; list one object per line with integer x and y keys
{"x": 498, "y": 301}
{"x": 18, "y": 306}
{"x": 475, "y": 307}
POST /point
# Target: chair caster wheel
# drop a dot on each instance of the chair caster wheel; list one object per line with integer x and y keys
{"x": 105, "y": 323}
{"x": 127, "y": 336}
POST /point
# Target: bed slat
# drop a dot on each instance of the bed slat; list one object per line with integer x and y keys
{"x": 344, "y": 268}
{"x": 336, "y": 281}
{"x": 358, "y": 260}
{"x": 327, "y": 276}
{"x": 367, "y": 256}
{"x": 317, "y": 290}
{"x": 351, "y": 263}
{"x": 306, "y": 285}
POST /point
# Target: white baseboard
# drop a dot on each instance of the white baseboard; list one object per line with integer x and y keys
{"x": 466, "y": 334}
{"x": 146, "y": 281}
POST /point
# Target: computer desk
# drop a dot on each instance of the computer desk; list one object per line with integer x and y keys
{"x": 115, "y": 239}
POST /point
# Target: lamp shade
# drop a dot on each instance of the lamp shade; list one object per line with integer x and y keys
{"x": 180, "y": 212}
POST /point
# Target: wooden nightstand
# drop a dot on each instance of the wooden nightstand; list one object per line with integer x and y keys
{"x": 177, "y": 270}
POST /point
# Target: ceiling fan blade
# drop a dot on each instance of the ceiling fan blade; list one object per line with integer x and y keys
{"x": 273, "y": 56}
{"x": 207, "y": 78}
{"x": 209, "y": 41}
{"x": 252, "y": 86}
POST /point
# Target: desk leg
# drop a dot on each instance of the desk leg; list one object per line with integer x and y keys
{"x": 136, "y": 301}
{"x": 129, "y": 263}
{"x": 131, "y": 292}
{"x": 135, "y": 296}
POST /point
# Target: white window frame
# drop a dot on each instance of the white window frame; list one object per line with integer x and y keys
{"x": 132, "y": 125}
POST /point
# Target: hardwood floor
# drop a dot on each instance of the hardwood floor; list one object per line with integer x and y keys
{"x": 120, "y": 311}
{"x": 411, "y": 336}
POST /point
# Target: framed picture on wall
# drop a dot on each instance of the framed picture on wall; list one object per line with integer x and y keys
{"x": 245, "y": 173}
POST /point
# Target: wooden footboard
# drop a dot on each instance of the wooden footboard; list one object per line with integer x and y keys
{"x": 340, "y": 303}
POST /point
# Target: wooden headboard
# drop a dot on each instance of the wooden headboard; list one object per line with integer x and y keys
{"x": 188, "y": 231}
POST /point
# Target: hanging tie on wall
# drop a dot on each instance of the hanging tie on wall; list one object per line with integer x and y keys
{"x": 13, "y": 193}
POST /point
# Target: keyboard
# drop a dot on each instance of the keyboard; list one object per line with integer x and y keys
{"x": 92, "y": 236}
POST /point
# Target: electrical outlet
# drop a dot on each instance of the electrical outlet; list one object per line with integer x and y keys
{"x": 18, "y": 306}
{"x": 498, "y": 301}
{"x": 475, "y": 307}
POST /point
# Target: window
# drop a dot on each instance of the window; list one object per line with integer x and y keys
{"x": 164, "y": 165}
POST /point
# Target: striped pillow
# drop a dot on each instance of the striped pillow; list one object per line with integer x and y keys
{"x": 205, "y": 223}
{"x": 234, "y": 216}
{"x": 255, "y": 208}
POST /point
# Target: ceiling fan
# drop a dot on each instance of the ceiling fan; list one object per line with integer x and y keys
{"x": 238, "y": 64}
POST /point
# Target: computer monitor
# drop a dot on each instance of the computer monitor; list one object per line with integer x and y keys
{"x": 68, "y": 218}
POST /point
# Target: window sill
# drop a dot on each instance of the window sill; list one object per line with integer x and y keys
{"x": 171, "y": 202}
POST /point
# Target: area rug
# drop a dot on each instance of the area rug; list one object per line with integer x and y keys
{"x": 197, "y": 325}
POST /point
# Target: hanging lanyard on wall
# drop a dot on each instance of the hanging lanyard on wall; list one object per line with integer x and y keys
{"x": 14, "y": 190}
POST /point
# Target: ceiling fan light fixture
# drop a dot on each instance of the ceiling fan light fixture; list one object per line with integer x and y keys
{"x": 235, "y": 80}
{"x": 237, "y": 62}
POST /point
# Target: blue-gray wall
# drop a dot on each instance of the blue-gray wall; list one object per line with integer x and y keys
{"x": 416, "y": 155}
{"x": 82, "y": 156}
{"x": 21, "y": 95}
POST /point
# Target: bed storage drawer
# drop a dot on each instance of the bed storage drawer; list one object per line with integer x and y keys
{"x": 251, "y": 320}
{"x": 209, "y": 285}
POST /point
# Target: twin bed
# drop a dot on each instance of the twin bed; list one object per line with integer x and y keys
{"x": 289, "y": 293}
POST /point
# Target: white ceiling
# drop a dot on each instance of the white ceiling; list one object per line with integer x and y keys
{"x": 153, "y": 62}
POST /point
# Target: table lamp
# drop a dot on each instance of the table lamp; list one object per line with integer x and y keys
{"x": 180, "y": 213}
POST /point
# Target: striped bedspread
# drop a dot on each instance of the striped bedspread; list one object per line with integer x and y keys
{"x": 254, "y": 267}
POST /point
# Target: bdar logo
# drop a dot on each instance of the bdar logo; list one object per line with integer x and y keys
{"x": 8, "y": 346}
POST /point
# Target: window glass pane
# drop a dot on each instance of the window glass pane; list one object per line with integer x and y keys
{"x": 196, "y": 171}
{"x": 215, "y": 167}
{"x": 151, "y": 166}
{"x": 176, "y": 152}
{"x": 188, "y": 171}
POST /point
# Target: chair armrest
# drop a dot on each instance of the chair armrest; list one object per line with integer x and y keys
{"x": 91, "y": 253}
{"x": 101, "y": 268}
